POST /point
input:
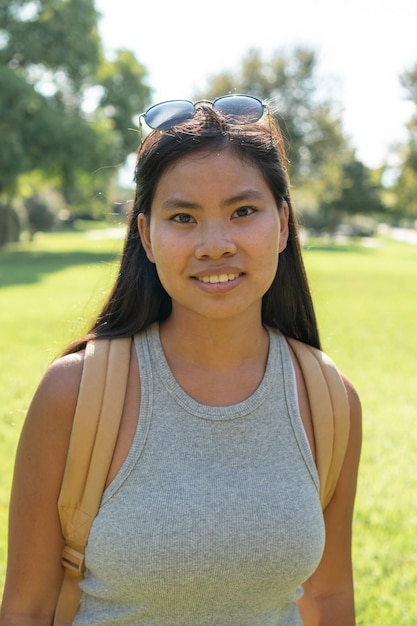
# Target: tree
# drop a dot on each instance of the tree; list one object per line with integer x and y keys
{"x": 311, "y": 125}
{"x": 406, "y": 186}
{"x": 64, "y": 108}
{"x": 328, "y": 181}
{"x": 124, "y": 93}
{"x": 356, "y": 194}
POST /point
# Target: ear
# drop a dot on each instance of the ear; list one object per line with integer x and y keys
{"x": 283, "y": 220}
{"x": 145, "y": 236}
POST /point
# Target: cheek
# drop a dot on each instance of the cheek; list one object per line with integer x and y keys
{"x": 266, "y": 264}
{"x": 164, "y": 252}
{"x": 268, "y": 254}
{"x": 166, "y": 256}
{"x": 271, "y": 265}
{"x": 269, "y": 242}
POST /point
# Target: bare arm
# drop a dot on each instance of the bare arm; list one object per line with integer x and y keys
{"x": 329, "y": 593}
{"x": 34, "y": 571}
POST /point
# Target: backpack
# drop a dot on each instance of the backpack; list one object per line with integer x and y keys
{"x": 96, "y": 425}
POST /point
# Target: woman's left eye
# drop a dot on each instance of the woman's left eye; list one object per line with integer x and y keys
{"x": 182, "y": 218}
{"x": 244, "y": 211}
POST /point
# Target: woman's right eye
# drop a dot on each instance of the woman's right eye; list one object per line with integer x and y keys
{"x": 182, "y": 218}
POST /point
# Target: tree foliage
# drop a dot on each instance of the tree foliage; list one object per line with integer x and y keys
{"x": 327, "y": 178}
{"x": 357, "y": 193}
{"x": 124, "y": 93}
{"x": 288, "y": 82}
{"x": 64, "y": 108}
{"x": 406, "y": 186}
{"x": 58, "y": 35}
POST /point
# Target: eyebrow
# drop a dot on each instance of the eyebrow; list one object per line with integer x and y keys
{"x": 179, "y": 203}
{"x": 246, "y": 194}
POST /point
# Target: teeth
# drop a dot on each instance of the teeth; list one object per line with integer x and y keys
{"x": 221, "y": 278}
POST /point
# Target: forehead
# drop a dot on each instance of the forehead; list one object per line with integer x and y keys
{"x": 210, "y": 179}
{"x": 217, "y": 167}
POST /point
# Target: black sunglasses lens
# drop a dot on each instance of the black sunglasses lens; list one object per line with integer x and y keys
{"x": 169, "y": 114}
{"x": 239, "y": 109}
{"x": 236, "y": 108}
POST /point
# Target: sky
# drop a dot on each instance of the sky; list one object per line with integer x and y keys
{"x": 363, "y": 46}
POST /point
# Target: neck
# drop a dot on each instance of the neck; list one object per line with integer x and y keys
{"x": 214, "y": 343}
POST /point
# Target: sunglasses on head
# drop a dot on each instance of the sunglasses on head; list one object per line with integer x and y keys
{"x": 236, "y": 108}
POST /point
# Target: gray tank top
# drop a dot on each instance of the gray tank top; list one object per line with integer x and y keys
{"x": 214, "y": 518}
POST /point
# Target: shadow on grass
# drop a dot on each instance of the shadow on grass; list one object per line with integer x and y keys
{"x": 24, "y": 267}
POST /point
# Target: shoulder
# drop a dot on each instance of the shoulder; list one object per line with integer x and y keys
{"x": 53, "y": 405}
{"x": 47, "y": 428}
{"x": 61, "y": 380}
{"x": 353, "y": 397}
{"x": 355, "y": 418}
{"x": 69, "y": 365}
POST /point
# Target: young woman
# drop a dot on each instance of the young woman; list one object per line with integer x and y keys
{"x": 211, "y": 514}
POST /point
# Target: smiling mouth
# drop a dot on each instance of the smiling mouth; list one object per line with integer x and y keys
{"x": 218, "y": 278}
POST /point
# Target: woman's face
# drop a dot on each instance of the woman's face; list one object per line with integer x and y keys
{"x": 214, "y": 233}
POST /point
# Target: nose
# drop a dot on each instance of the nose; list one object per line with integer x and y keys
{"x": 215, "y": 241}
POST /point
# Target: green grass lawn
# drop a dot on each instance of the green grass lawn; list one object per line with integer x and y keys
{"x": 367, "y": 307}
{"x": 49, "y": 289}
{"x": 366, "y": 301}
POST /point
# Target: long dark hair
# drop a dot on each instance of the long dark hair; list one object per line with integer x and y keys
{"x": 138, "y": 298}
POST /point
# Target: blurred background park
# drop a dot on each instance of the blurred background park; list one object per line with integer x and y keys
{"x": 75, "y": 75}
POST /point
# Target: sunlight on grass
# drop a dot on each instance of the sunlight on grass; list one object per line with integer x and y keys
{"x": 53, "y": 288}
{"x": 367, "y": 307}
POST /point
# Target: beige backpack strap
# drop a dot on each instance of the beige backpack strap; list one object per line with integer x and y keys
{"x": 96, "y": 424}
{"x": 330, "y": 414}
